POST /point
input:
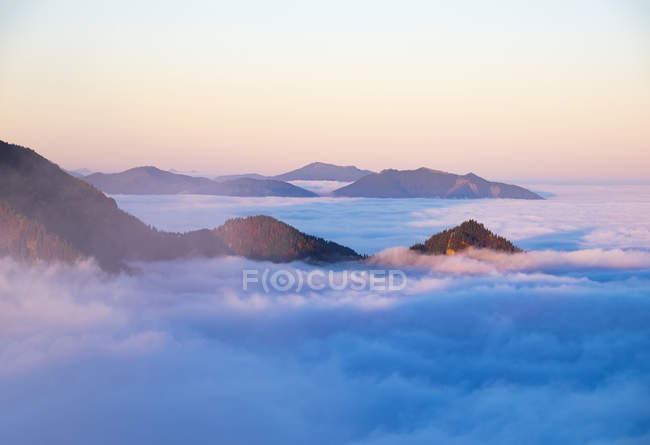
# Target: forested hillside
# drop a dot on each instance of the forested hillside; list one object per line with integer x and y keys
{"x": 469, "y": 234}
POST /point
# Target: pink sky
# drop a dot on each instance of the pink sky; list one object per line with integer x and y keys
{"x": 509, "y": 92}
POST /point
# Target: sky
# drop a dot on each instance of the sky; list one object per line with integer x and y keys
{"x": 550, "y": 91}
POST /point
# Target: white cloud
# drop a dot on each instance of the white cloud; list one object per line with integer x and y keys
{"x": 179, "y": 352}
{"x": 484, "y": 261}
{"x": 611, "y": 217}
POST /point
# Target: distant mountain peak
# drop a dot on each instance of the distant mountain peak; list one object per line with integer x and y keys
{"x": 322, "y": 171}
{"x": 470, "y": 233}
{"x": 327, "y": 164}
{"x": 428, "y": 183}
{"x": 150, "y": 169}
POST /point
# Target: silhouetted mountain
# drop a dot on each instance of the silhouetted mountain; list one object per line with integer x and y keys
{"x": 153, "y": 181}
{"x": 71, "y": 210}
{"x": 265, "y": 238}
{"x": 469, "y": 234}
{"x": 319, "y": 171}
{"x": 47, "y": 214}
{"x": 427, "y": 183}
{"x": 146, "y": 180}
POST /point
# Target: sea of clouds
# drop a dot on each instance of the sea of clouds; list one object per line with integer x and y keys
{"x": 548, "y": 346}
{"x": 572, "y": 218}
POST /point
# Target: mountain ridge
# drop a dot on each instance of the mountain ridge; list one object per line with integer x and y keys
{"x": 47, "y": 214}
{"x": 27, "y": 240}
{"x": 428, "y": 183}
{"x": 154, "y": 181}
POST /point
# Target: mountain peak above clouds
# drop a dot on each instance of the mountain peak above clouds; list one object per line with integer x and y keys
{"x": 468, "y": 234}
{"x": 48, "y": 215}
{"x": 427, "y": 183}
{"x": 266, "y": 238}
{"x": 321, "y": 171}
{"x": 150, "y": 180}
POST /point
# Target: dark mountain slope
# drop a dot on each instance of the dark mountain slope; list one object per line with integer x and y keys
{"x": 50, "y": 215}
{"x": 27, "y": 240}
{"x": 82, "y": 216}
{"x": 320, "y": 171}
{"x": 146, "y": 180}
{"x": 469, "y": 234}
{"x": 265, "y": 238}
{"x": 427, "y": 183}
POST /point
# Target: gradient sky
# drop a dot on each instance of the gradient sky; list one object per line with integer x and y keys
{"x": 552, "y": 91}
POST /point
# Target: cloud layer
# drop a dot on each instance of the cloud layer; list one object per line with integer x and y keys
{"x": 483, "y": 261}
{"x": 574, "y": 217}
{"x": 547, "y": 346}
{"x": 587, "y": 216}
{"x": 180, "y": 353}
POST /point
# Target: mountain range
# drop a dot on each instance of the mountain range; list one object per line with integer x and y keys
{"x": 154, "y": 181}
{"x": 316, "y": 171}
{"x": 420, "y": 183}
{"x": 151, "y": 180}
{"x": 468, "y": 234}
{"x": 47, "y": 214}
{"x": 427, "y": 183}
